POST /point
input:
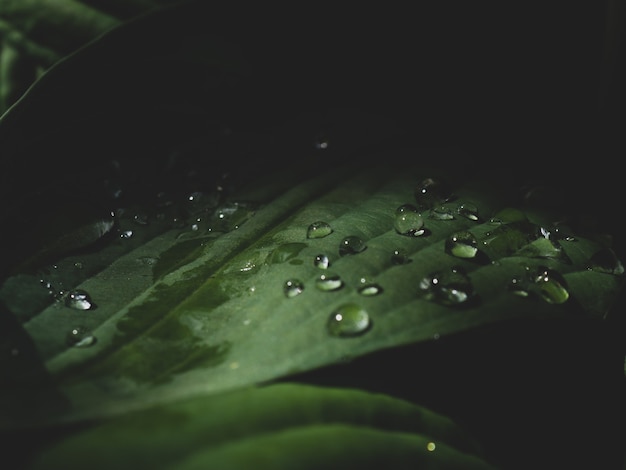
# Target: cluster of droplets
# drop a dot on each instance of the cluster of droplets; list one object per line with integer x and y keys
{"x": 512, "y": 234}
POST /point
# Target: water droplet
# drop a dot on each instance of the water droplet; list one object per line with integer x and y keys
{"x": 431, "y": 192}
{"x": 399, "y": 257}
{"x": 462, "y": 245}
{"x": 126, "y": 234}
{"x": 467, "y": 210}
{"x": 80, "y": 337}
{"x": 293, "y": 287}
{"x": 368, "y": 288}
{"x": 322, "y": 142}
{"x": 551, "y": 285}
{"x": 351, "y": 245}
{"x": 441, "y": 212}
{"x": 349, "y": 320}
{"x": 408, "y": 221}
{"x": 329, "y": 282}
{"x": 79, "y": 299}
{"x": 542, "y": 282}
{"x": 451, "y": 288}
{"x": 321, "y": 261}
{"x": 319, "y": 229}
{"x": 606, "y": 261}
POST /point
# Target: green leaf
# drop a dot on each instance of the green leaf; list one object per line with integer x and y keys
{"x": 209, "y": 312}
{"x": 275, "y": 426}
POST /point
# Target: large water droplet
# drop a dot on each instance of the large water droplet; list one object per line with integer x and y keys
{"x": 462, "y": 245}
{"x": 293, "y": 287}
{"x": 606, "y": 261}
{"x": 329, "y": 282}
{"x": 351, "y": 245}
{"x": 542, "y": 282}
{"x": 451, "y": 288}
{"x": 319, "y": 229}
{"x": 431, "y": 192}
{"x": 551, "y": 285}
{"x": 408, "y": 221}
{"x": 80, "y": 337}
{"x": 79, "y": 299}
{"x": 349, "y": 320}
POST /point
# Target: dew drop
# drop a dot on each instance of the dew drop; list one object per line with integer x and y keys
{"x": 542, "y": 282}
{"x": 329, "y": 282}
{"x": 408, "y": 221}
{"x": 79, "y": 299}
{"x": 431, "y": 192}
{"x": 441, "y": 212}
{"x": 462, "y": 245}
{"x": 351, "y": 245}
{"x": 348, "y": 320}
{"x": 467, "y": 210}
{"x": 451, "y": 288}
{"x": 368, "y": 288}
{"x": 606, "y": 261}
{"x": 551, "y": 285}
{"x": 80, "y": 337}
{"x": 321, "y": 261}
{"x": 319, "y": 229}
{"x": 293, "y": 287}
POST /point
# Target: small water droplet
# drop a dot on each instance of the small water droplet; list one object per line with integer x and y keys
{"x": 399, "y": 257}
{"x": 462, "y": 245}
{"x": 368, "y": 288}
{"x": 79, "y": 299}
{"x": 80, "y": 337}
{"x": 321, "y": 261}
{"x": 451, "y": 288}
{"x": 351, "y": 245}
{"x": 441, "y": 212}
{"x": 467, "y": 210}
{"x": 408, "y": 221}
{"x": 329, "y": 282}
{"x": 293, "y": 287}
{"x": 126, "y": 234}
{"x": 349, "y": 320}
{"x": 319, "y": 229}
{"x": 322, "y": 142}
{"x": 431, "y": 192}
